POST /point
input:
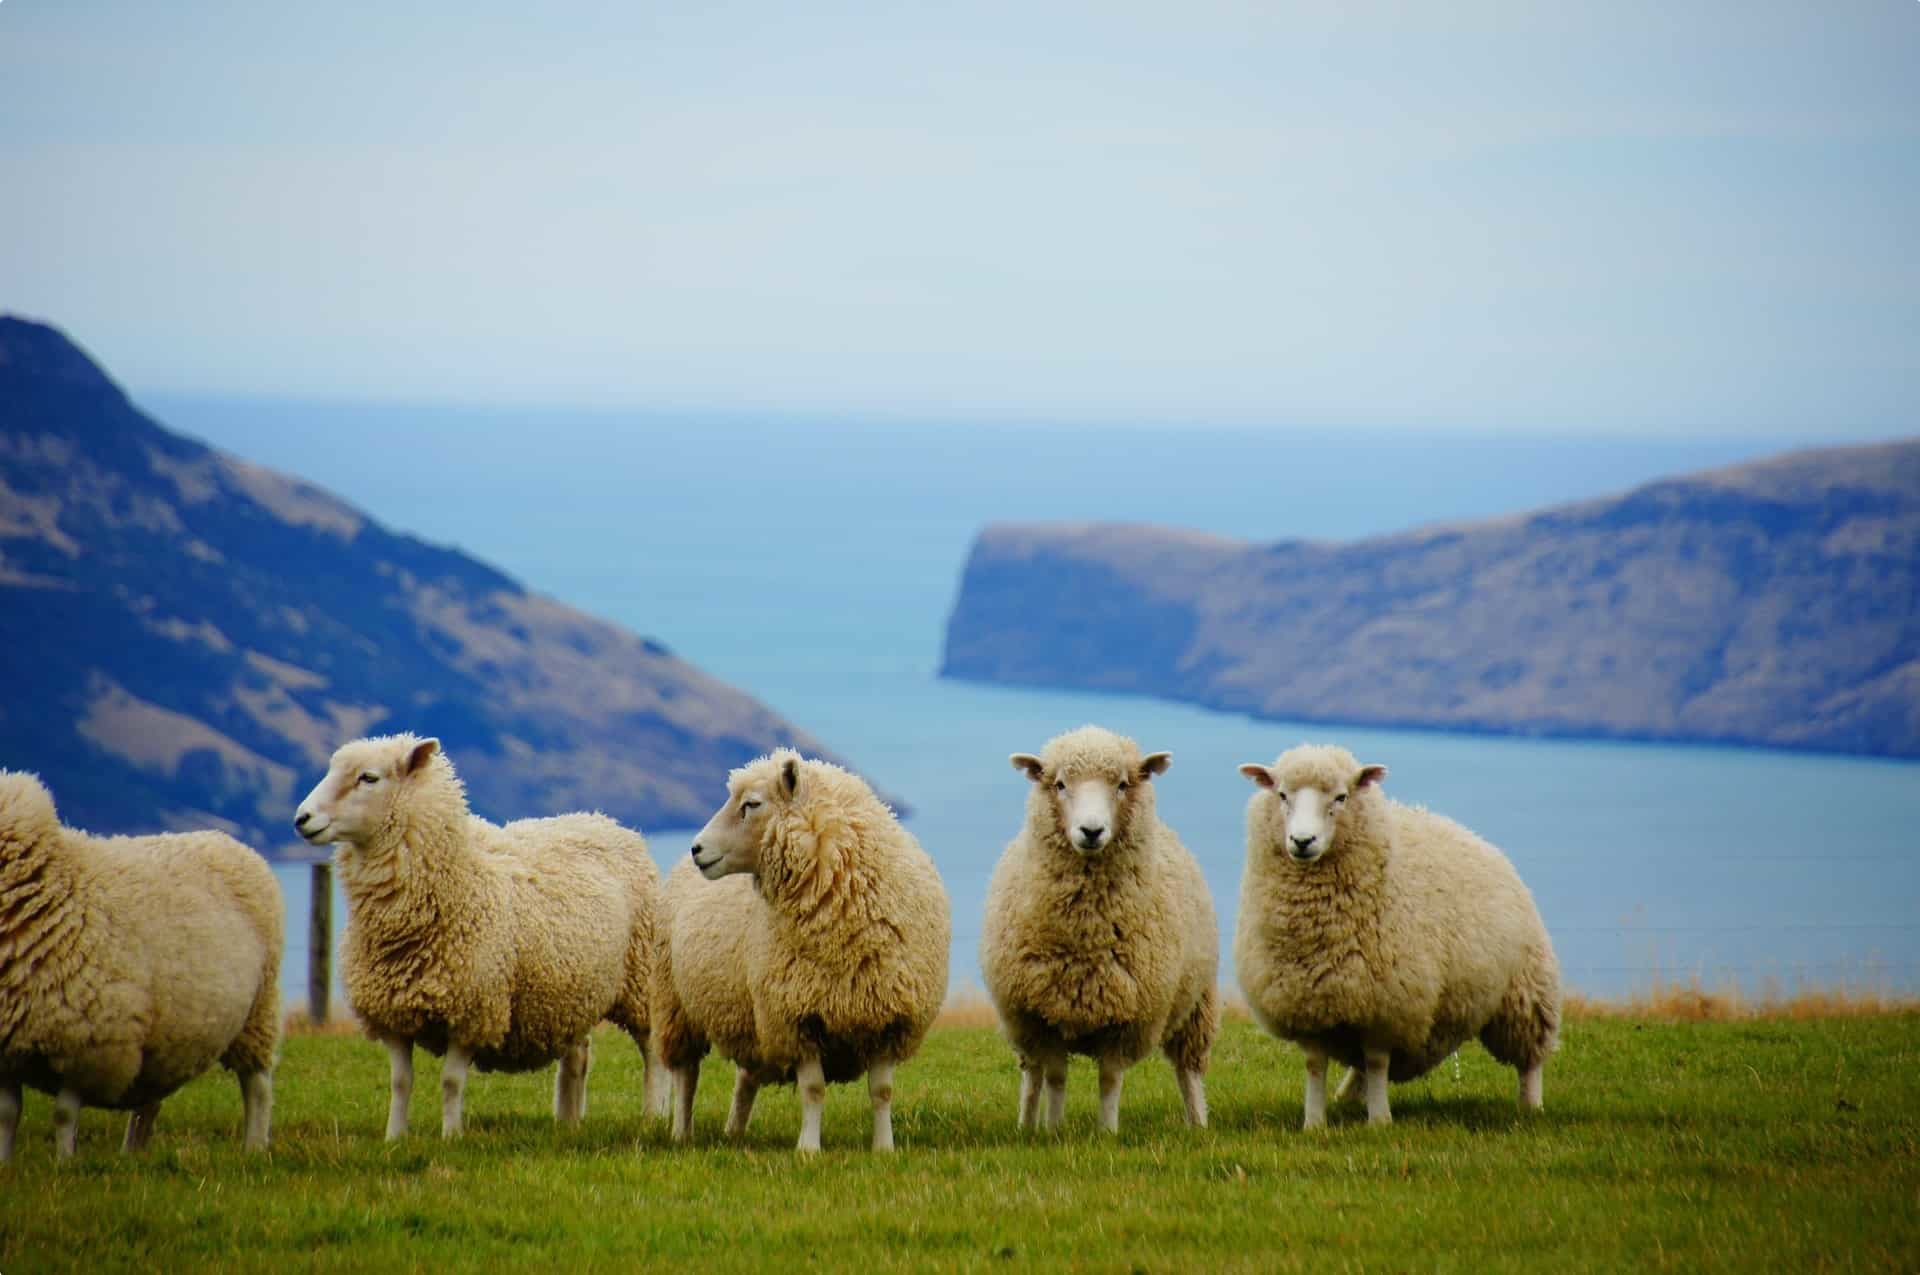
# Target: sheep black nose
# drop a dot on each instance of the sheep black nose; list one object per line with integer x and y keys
{"x": 696, "y": 849}
{"x": 300, "y": 820}
{"x": 1090, "y": 835}
{"x": 1301, "y": 843}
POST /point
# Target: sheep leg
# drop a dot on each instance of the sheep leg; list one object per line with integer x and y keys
{"x": 1029, "y": 1094}
{"x": 256, "y": 1099}
{"x": 66, "y": 1123}
{"x": 1112, "y": 1073}
{"x": 570, "y": 1084}
{"x": 880, "y": 1089}
{"x": 1530, "y": 1087}
{"x": 1193, "y": 1094}
{"x": 140, "y": 1128}
{"x": 453, "y": 1089}
{"x": 1377, "y": 1112}
{"x": 656, "y": 1085}
{"x": 812, "y": 1079}
{"x": 745, "y": 1090}
{"x": 400, "y": 1069}
{"x": 686, "y": 1079}
{"x": 1316, "y": 1088}
{"x": 9, "y": 1118}
{"x": 1054, "y": 1071}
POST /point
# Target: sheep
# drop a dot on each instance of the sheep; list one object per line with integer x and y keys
{"x": 701, "y": 997}
{"x": 498, "y": 947}
{"x": 1385, "y": 935}
{"x": 128, "y": 966}
{"x": 832, "y": 963}
{"x": 1100, "y": 936}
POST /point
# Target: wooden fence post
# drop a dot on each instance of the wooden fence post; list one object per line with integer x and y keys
{"x": 320, "y": 945}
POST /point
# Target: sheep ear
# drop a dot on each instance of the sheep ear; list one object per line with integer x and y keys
{"x": 420, "y": 755}
{"x": 1155, "y": 764}
{"x": 1368, "y": 776}
{"x": 790, "y": 775}
{"x": 1028, "y": 765}
{"x": 1258, "y": 773}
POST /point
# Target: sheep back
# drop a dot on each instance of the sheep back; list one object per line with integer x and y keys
{"x": 701, "y": 995}
{"x": 593, "y": 852}
{"x": 148, "y": 960}
{"x": 579, "y": 891}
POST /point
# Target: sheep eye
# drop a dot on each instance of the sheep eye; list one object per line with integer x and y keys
{"x": 1282, "y": 796}
{"x": 1059, "y": 785}
{"x": 1341, "y": 800}
{"x": 1123, "y": 785}
{"x": 745, "y": 806}
{"x": 369, "y": 778}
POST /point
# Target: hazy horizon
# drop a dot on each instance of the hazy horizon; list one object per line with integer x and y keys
{"x": 1626, "y": 219}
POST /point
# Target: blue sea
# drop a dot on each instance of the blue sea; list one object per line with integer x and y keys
{"x": 814, "y": 564}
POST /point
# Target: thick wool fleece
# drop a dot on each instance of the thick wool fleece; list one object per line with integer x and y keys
{"x": 511, "y": 942}
{"x": 129, "y": 965}
{"x": 845, "y": 947}
{"x": 1410, "y": 933}
{"x": 1110, "y": 954}
{"x": 701, "y": 995}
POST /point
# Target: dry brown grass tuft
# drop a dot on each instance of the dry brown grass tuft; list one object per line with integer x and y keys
{"x": 1693, "y": 1002}
{"x": 1673, "y": 1002}
{"x": 296, "y": 1023}
{"x": 967, "y": 1007}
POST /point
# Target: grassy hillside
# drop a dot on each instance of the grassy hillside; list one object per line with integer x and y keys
{"x": 189, "y": 636}
{"x": 1665, "y": 1145}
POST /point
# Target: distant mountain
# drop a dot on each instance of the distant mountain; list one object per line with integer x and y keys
{"x": 189, "y": 636}
{"x": 1772, "y": 603}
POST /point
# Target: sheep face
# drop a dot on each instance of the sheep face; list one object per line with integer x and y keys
{"x": 355, "y": 800}
{"x": 1308, "y": 803}
{"x": 1091, "y": 799}
{"x": 731, "y": 841}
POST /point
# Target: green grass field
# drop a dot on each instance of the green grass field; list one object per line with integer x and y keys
{"x": 1690, "y": 1146}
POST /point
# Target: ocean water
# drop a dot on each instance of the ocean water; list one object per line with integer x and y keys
{"x": 815, "y": 564}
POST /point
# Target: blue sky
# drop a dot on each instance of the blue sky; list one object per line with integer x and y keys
{"x": 1551, "y": 217}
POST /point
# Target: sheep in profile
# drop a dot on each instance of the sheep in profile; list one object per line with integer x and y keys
{"x": 499, "y": 947}
{"x": 128, "y": 966}
{"x": 1100, "y": 936}
{"x": 837, "y": 956}
{"x": 1384, "y": 935}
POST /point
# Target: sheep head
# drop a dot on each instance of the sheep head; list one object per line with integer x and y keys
{"x": 366, "y": 779}
{"x": 1089, "y": 784}
{"x": 756, "y": 793}
{"x": 1311, "y": 791}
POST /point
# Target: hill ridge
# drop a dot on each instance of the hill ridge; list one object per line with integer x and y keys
{"x": 1775, "y": 602}
{"x": 190, "y": 634}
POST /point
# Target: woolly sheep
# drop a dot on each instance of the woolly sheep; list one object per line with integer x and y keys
{"x": 1384, "y": 935}
{"x": 835, "y": 956}
{"x": 128, "y": 966}
{"x": 701, "y": 997}
{"x": 1100, "y": 936}
{"x": 499, "y": 947}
